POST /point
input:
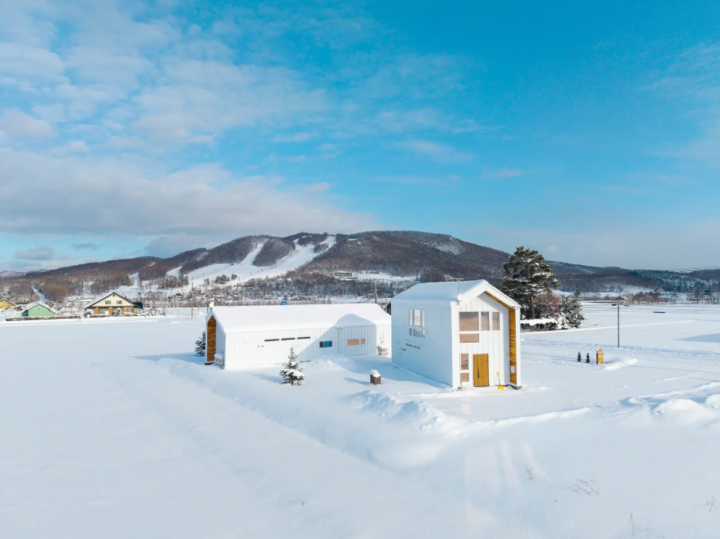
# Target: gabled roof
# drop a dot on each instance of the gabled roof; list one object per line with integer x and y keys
{"x": 107, "y": 296}
{"x": 279, "y": 317}
{"x": 452, "y": 292}
{"x": 10, "y": 302}
{"x": 40, "y": 304}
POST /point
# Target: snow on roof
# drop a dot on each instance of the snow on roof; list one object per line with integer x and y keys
{"x": 279, "y": 317}
{"x": 451, "y": 291}
{"x": 40, "y": 303}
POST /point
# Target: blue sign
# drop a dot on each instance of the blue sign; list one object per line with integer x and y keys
{"x": 283, "y": 303}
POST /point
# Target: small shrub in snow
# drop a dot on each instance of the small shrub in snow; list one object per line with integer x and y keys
{"x": 200, "y": 345}
{"x": 572, "y": 310}
{"x": 292, "y": 372}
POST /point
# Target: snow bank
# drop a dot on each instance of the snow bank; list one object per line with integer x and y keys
{"x": 415, "y": 414}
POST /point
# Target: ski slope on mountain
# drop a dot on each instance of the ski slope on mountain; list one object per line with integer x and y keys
{"x": 246, "y": 270}
{"x": 143, "y": 440}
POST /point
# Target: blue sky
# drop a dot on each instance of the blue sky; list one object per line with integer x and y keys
{"x": 588, "y": 130}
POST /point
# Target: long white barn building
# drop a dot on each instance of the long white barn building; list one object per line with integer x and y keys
{"x": 464, "y": 334}
{"x": 239, "y": 337}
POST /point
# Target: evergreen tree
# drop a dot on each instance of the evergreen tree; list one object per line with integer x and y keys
{"x": 572, "y": 310}
{"x": 292, "y": 372}
{"x": 527, "y": 276}
{"x": 200, "y": 345}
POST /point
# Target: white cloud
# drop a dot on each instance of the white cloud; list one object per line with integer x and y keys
{"x": 203, "y": 201}
{"x": 301, "y": 136}
{"x": 502, "y": 173}
{"x": 17, "y": 123}
{"x": 77, "y": 146}
{"x": 36, "y": 253}
{"x": 318, "y": 187}
{"x": 626, "y": 245}
{"x": 202, "y": 97}
{"x": 27, "y": 62}
{"x": 440, "y": 153}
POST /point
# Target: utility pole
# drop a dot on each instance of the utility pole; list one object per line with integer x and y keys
{"x": 192, "y": 311}
{"x": 618, "y": 321}
{"x": 375, "y": 291}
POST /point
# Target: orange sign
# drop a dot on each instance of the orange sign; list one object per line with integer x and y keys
{"x": 600, "y": 356}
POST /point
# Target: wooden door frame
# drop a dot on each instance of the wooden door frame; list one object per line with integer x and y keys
{"x": 211, "y": 341}
{"x": 476, "y": 359}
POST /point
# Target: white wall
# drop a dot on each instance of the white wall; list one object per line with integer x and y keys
{"x": 491, "y": 342}
{"x": 251, "y": 349}
{"x": 430, "y": 356}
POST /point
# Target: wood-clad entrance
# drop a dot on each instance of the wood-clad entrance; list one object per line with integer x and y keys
{"x": 512, "y": 337}
{"x": 211, "y": 338}
{"x": 481, "y": 370}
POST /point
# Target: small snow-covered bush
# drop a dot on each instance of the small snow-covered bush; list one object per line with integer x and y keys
{"x": 292, "y": 372}
{"x": 200, "y": 345}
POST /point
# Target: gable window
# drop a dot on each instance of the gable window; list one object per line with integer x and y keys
{"x": 325, "y": 344}
{"x": 108, "y": 302}
{"x": 417, "y": 323}
{"x": 496, "y": 321}
{"x": 469, "y": 327}
{"x": 469, "y": 322}
{"x": 119, "y": 302}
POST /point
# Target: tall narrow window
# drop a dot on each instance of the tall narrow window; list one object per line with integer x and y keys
{"x": 496, "y": 321}
{"x": 485, "y": 321}
{"x": 464, "y": 362}
{"x": 417, "y": 322}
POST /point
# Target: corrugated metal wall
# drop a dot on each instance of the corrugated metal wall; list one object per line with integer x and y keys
{"x": 430, "y": 356}
{"x": 273, "y": 347}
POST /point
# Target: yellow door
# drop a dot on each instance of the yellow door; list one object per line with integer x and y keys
{"x": 481, "y": 370}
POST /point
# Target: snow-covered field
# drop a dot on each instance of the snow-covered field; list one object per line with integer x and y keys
{"x": 113, "y": 429}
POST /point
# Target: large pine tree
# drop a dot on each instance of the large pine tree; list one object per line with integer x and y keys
{"x": 527, "y": 275}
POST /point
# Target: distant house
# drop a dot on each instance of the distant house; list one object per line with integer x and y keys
{"x": 463, "y": 334}
{"x": 114, "y": 304}
{"x": 39, "y": 310}
{"x": 6, "y": 304}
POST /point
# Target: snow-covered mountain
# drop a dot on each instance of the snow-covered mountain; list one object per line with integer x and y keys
{"x": 386, "y": 255}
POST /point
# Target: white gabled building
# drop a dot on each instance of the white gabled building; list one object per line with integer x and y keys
{"x": 247, "y": 336}
{"x": 464, "y": 334}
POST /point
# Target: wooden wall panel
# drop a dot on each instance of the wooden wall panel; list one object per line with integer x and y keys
{"x": 211, "y": 340}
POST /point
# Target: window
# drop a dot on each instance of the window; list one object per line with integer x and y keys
{"x": 469, "y": 337}
{"x": 485, "y": 321}
{"x": 300, "y": 338}
{"x": 362, "y": 341}
{"x": 417, "y": 320}
{"x": 108, "y": 302}
{"x": 464, "y": 362}
{"x": 464, "y": 376}
{"x": 469, "y": 322}
{"x": 119, "y": 302}
{"x": 496, "y": 321}
{"x": 325, "y": 344}
{"x": 417, "y": 317}
{"x": 271, "y": 340}
{"x": 353, "y": 342}
{"x": 288, "y": 338}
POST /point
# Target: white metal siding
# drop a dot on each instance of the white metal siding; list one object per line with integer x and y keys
{"x": 493, "y": 343}
{"x": 430, "y": 356}
{"x": 253, "y": 348}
